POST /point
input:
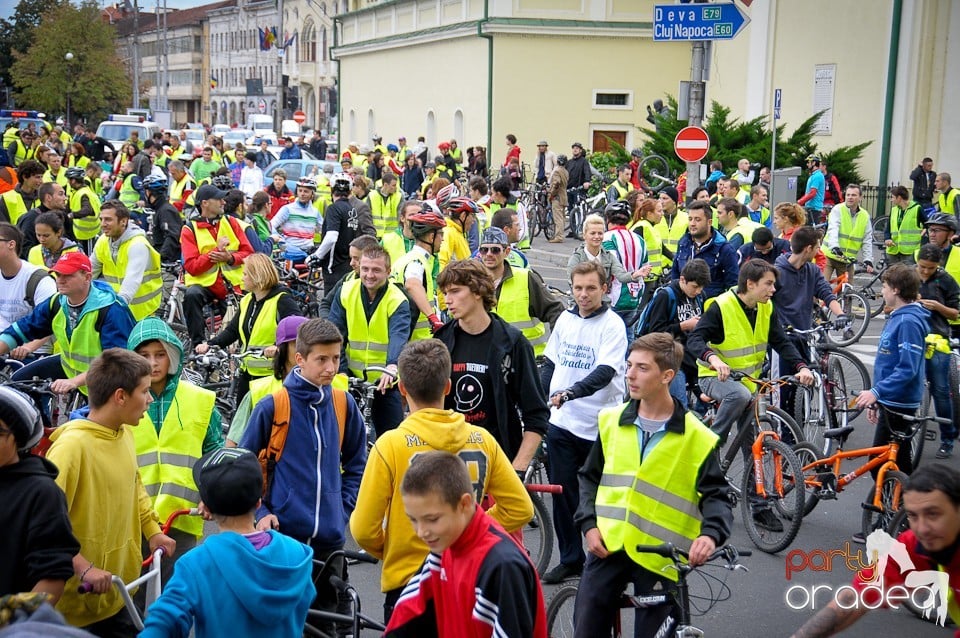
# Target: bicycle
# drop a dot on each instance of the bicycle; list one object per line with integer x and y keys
{"x": 214, "y": 315}
{"x": 356, "y": 620}
{"x": 767, "y": 464}
{"x": 584, "y": 206}
{"x": 219, "y": 370}
{"x": 151, "y": 578}
{"x": 561, "y": 607}
{"x": 61, "y": 406}
{"x": 539, "y": 212}
{"x": 656, "y": 167}
{"x": 538, "y": 535}
{"x": 822, "y": 479}
{"x": 839, "y": 375}
{"x": 871, "y": 289}
{"x": 363, "y": 393}
{"x": 854, "y": 305}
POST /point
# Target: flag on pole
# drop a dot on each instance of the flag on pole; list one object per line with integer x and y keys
{"x": 289, "y": 39}
{"x": 213, "y": 81}
{"x": 271, "y": 37}
{"x": 263, "y": 39}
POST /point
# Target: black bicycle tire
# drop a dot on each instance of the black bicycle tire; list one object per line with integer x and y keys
{"x": 564, "y": 594}
{"x": 578, "y": 215}
{"x": 806, "y": 413}
{"x": 871, "y": 520}
{"x": 807, "y": 453}
{"x": 853, "y": 385}
{"x": 544, "y": 528}
{"x": 880, "y": 224}
{"x": 838, "y": 398}
{"x": 547, "y": 224}
{"x": 873, "y": 297}
{"x": 649, "y": 165}
{"x": 791, "y": 523}
{"x": 859, "y": 322}
{"x": 533, "y": 219}
{"x": 786, "y": 420}
{"x": 919, "y": 437}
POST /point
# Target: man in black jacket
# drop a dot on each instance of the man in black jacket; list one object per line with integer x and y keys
{"x": 923, "y": 179}
{"x": 580, "y": 172}
{"x": 494, "y": 376}
{"x": 95, "y": 146}
{"x": 167, "y": 223}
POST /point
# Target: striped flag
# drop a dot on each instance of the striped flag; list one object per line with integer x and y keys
{"x": 213, "y": 81}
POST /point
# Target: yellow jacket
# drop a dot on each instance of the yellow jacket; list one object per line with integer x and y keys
{"x": 109, "y": 510}
{"x": 454, "y": 246}
{"x": 379, "y": 499}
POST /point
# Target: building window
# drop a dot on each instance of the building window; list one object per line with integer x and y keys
{"x": 308, "y": 42}
{"x": 323, "y": 42}
{"x": 612, "y": 99}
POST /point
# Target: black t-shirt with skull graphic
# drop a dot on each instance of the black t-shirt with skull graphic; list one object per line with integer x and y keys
{"x": 470, "y": 394}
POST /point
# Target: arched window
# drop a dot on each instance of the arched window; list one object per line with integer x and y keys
{"x": 431, "y": 129}
{"x": 308, "y": 42}
{"x": 323, "y": 43}
{"x": 371, "y": 124}
{"x": 352, "y": 129}
{"x": 233, "y": 113}
{"x": 458, "y": 127}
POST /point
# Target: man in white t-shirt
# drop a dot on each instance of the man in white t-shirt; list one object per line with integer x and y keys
{"x": 15, "y": 302}
{"x": 583, "y": 371}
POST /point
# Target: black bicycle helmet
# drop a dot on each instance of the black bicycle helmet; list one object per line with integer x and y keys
{"x": 75, "y": 172}
{"x": 942, "y": 219}
{"x": 20, "y": 415}
{"x": 561, "y": 160}
{"x": 617, "y": 212}
{"x": 425, "y": 222}
{"x": 223, "y": 182}
{"x": 638, "y": 153}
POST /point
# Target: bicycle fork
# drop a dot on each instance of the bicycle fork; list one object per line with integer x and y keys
{"x": 758, "y": 477}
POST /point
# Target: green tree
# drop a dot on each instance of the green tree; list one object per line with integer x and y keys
{"x": 95, "y": 78}
{"x": 732, "y": 139}
{"x": 17, "y": 33}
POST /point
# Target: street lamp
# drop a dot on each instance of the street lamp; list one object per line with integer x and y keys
{"x": 69, "y": 58}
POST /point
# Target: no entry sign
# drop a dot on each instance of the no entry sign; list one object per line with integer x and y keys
{"x": 691, "y": 144}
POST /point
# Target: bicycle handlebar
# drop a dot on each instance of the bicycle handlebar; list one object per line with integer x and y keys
{"x": 674, "y": 553}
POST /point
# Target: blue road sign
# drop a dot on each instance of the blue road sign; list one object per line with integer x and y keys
{"x": 777, "y": 97}
{"x": 688, "y": 22}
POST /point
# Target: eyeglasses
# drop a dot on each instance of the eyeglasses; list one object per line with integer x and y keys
{"x": 4, "y": 432}
{"x": 493, "y": 250}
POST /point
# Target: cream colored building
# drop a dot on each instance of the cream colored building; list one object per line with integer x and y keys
{"x": 788, "y": 46}
{"x": 307, "y": 64}
{"x": 476, "y": 70}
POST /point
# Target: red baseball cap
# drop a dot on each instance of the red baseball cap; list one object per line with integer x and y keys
{"x": 70, "y": 263}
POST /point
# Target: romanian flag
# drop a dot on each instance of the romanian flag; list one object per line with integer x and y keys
{"x": 263, "y": 39}
{"x": 270, "y": 37}
{"x": 213, "y": 81}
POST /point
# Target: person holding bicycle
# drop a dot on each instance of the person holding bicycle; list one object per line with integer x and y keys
{"x": 734, "y": 333}
{"x": 940, "y": 231}
{"x": 940, "y": 294}
{"x": 898, "y": 371}
{"x": 849, "y": 231}
{"x": 652, "y": 476}
{"x": 931, "y": 499}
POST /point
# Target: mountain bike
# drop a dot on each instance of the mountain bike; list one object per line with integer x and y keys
{"x": 855, "y": 306}
{"x": 561, "y": 607}
{"x": 538, "y": 534}
{"x": 655, "y": 172}
{"x": 219, "y": 370}
{"x": 584, "y": 206}
{"x": 539, "y": 213}
{"x": 355, "y": 620}
{"x": 214, "y": 315}
{"x": 827, "y": 403}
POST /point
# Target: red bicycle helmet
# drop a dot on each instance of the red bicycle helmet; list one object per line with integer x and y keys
{"x": 425, "y": 222}
{"x": 446, "y": 195}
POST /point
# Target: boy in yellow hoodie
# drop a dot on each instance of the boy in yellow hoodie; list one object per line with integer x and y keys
{"x": 424, "y": 369}
{"x": 108, "y": 505}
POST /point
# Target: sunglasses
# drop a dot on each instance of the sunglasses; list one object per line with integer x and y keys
{"x": 493, "y": 250}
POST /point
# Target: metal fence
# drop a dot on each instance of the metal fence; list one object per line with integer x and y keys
{"x": 876, "y": 199}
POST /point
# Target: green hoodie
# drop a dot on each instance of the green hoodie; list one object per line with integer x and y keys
{"x": 154, "y": 329}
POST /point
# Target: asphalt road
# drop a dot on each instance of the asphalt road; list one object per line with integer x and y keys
{"x": 758, "y": 605}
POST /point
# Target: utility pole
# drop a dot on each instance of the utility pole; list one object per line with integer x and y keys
{"x": 136, "y": 55}
{"x": 278, "y": 115}
{"x": 166, "y": 62}
{"x": 696, "y": 108}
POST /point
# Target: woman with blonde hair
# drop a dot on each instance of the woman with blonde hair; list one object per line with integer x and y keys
{"x": 787, "y": 218}
{"x": 255, "y": 325}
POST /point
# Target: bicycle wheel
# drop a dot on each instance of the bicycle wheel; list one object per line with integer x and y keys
{"x": 538, "y": 535}
{"x": 576, "y": 218}
{"x": 838, "y": 399}
{"x": 533, "y": 219}
{"x": 857, "y": 309}
{"x": 807, "y": 454}
{"x": 891, "y": 501}
{"x": 920, "y": 436}
{"x": 808, "y": 414}
{"x": 772, "y": 521}
{"x": 855, "y": 376}
{"x": 546, "y": 222}
{"x": 655, "y": 171}
{"x": 783, "y": 424}
{"x": 871, "y": 292}
{"x": 560, "y": 611}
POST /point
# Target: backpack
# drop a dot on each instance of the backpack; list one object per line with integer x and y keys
{"x": 833, "y": 188}
{"x": 35, "y": 278}
{"x": 640, "y": 327}
{"x": 270, "y": 456}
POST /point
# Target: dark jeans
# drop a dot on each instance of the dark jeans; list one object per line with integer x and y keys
{"x": 567, "y": 454}
{"x": 598, "y": 598}
{"x": 194, "y": 299}
{"x": 330, "y": 279}
{"x": 938, "y": 374}
{"x": 390, "y": 599}
{"x": 119, "y": 625}
{"x": 387, "y": 411}
{"x": 893, "y": 421}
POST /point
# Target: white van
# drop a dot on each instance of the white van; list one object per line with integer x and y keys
{"x": 259, "y": 123}
{"x": 290, "y": 128}
{"x": 116, "y": 129}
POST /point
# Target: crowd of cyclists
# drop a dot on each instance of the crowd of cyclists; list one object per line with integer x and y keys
{"x": 428, "y": 295}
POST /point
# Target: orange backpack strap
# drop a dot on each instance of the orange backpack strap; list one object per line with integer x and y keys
{"x": 340, "y": 408}
{"x": 270, "y": 455}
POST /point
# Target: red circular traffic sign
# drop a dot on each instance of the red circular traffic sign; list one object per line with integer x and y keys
{"x": 691, "y": 144}
{"x": 299, "y": 117}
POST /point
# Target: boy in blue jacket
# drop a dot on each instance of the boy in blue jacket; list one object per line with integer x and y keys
{"x": 313, "y": 488}
{"x": 241, "y": 582}
{"x": 899, "y": 369}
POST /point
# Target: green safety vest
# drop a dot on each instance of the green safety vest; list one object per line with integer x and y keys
{"x": 384, "y": 212}
{"x": 651, "y": 500}
{"x": 396, "y": 244}
{"x": 764, "y": 214}
{"x": 83, "y": 344}
{"x": 743, "y": 347}
{"x": 905, "y": 230}
{"x": 367, "y": 341}
{"x": 670, "y": 235}
{"x": 128, "y": 194}
{"x": 177, "y": 189}
{"x": 85, "y": 227}
{"x": 623, "y": 190}
{"x": 61, "y": 178}
{"x": 35, "y": 256}
{"x": 263, "y": 387}
{"x": 421, "y": 328}
{"x": 16, "y": 206}
{"x": 850, "y": 238}
{"x": 513, "y": 306}
{"x": 262, "y": 334}
{"x": 946, "y": 200}
{"x": 147, "y": 298}
{"x": 651, "y": 239}
{"x": 166, "y": 459}
{"x": 744, "y": 229}
{"x": 952, "y": 265}
{"x": 23, "y": 153}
